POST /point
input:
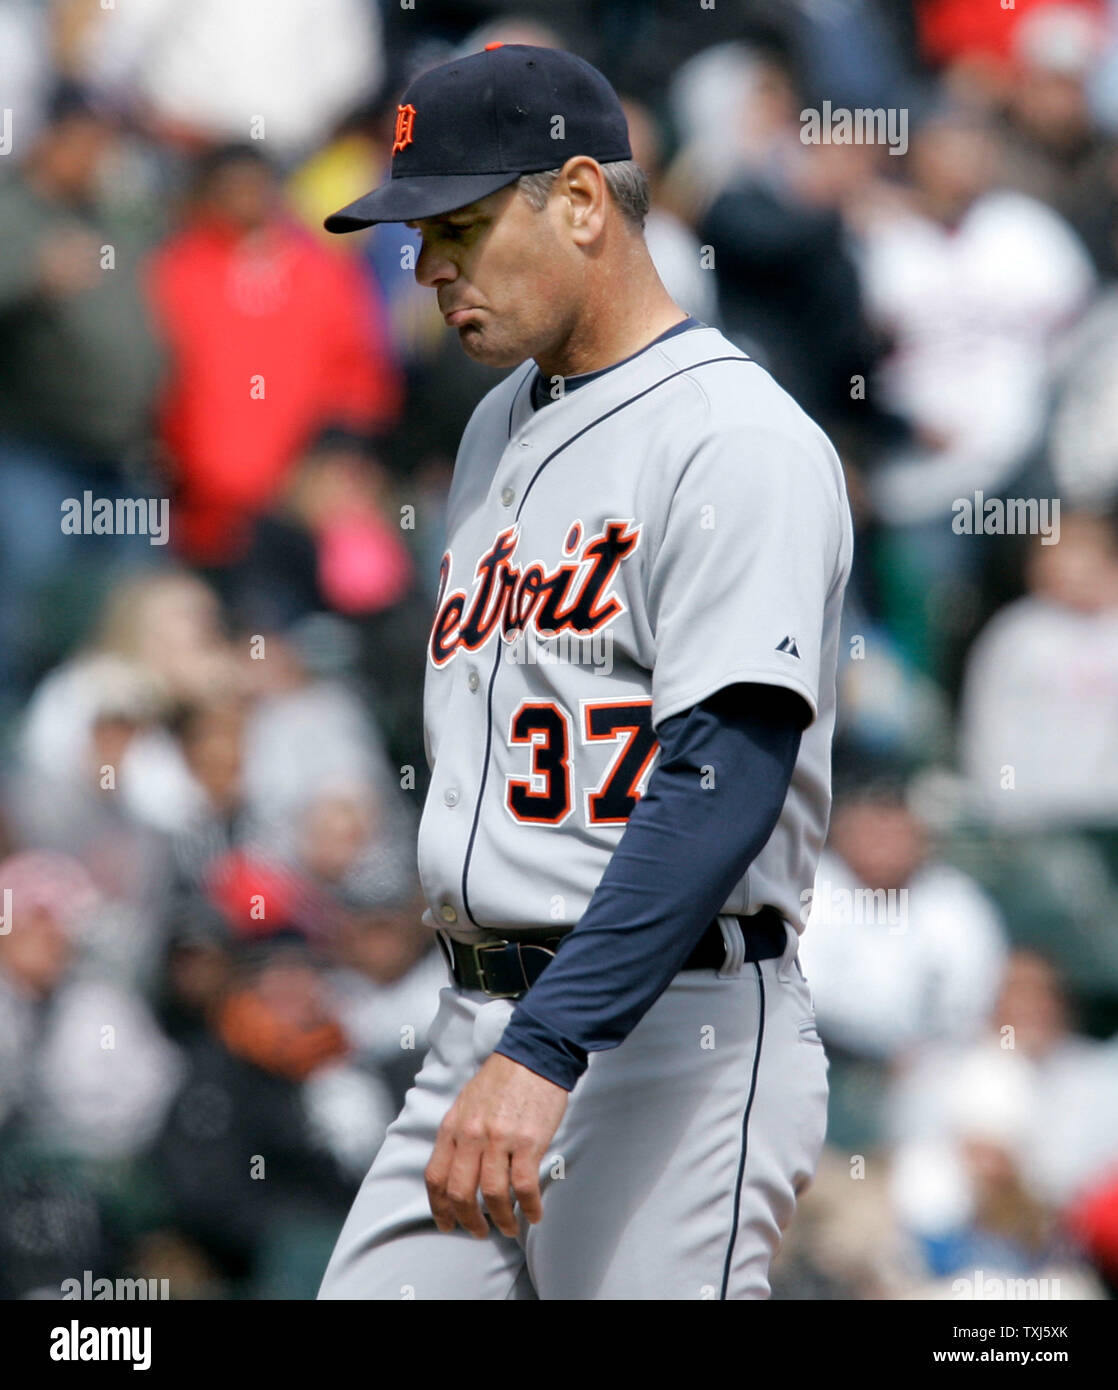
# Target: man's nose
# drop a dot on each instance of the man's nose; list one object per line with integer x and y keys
{"x": 433, "y": 268}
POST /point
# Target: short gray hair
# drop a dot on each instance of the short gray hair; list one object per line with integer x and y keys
{"x": 626, "y": 180}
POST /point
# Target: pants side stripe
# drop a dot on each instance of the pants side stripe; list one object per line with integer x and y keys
{"x": 745, "y": 1135}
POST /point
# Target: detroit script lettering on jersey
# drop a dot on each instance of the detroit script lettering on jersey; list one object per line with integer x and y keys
{"x": 508, "y": 598}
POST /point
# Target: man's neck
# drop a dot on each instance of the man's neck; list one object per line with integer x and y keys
{"x": 607, "y": 336}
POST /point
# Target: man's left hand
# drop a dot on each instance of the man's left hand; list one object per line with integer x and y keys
{"x": 493, "y": 1137}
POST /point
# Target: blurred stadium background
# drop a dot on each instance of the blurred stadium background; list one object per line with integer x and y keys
{"x": 192, "y": 1085}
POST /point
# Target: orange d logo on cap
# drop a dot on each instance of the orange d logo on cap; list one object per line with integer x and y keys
{"x": 403, "y": 135}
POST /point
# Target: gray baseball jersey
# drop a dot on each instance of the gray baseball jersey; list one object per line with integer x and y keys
{"x": 674, "y": 526}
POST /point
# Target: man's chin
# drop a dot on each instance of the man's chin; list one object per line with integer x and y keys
{"x": 478, "y": 346}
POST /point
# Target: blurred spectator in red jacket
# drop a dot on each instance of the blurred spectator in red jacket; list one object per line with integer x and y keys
{"x": 273, "y": 339}
{"x": 981, "y": 36}
{"x": 1094, "y": 1221}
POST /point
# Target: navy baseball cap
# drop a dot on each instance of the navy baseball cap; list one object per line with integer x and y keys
{"x": 471, "y": 126}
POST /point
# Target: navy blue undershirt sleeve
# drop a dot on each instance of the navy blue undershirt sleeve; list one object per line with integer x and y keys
{"x": 684, "y": 848}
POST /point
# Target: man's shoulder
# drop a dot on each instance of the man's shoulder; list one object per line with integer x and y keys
{"x": 729, "y": 404}
{"x": 729, "y": 389}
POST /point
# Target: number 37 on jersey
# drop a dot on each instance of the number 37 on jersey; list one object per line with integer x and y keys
{"x": 534, "y": 607}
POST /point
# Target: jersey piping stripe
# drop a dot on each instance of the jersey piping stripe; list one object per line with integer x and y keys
{"x": 516, "y": 396}
{"x": 682, "y": 371}
{"x": 745, "y": 1135}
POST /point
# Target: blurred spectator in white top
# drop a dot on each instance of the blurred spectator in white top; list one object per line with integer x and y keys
{"x": 1039, "y": 715}
{"x": 100, "y": 774}
{"x": 163, "y": 632}
{"x": 68, "y": 793}
{"x": 221, "y": 70}
{"x": 974, "y": 284}
{"x": 84, "y": 1069}
{"x": 318, "y": 786}
{"x": 1083, "y": 437}
{"x": 386, "y": 987}
{"x": 899, "y": 948}
{"x": 995, "y": 1136}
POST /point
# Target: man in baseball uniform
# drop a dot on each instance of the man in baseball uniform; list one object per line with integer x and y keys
{"x": 629, "y": 710}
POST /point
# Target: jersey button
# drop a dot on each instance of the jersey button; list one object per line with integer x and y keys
{"x": 473, "y": 680}
{"x": 447, "y": 913}
{"x": 450, "y": 796}
{"x": 508, "y": 497}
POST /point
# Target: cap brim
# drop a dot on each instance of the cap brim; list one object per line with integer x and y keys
{"x": 408, "y": 199}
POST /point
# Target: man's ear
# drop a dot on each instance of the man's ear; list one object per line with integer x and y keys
{"x": 583, "y": 186}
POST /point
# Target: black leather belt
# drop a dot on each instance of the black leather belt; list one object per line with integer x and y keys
{"x": 508, "y": 969}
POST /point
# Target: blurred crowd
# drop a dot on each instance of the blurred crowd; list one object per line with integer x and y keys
{"x": 214, "y": 980}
